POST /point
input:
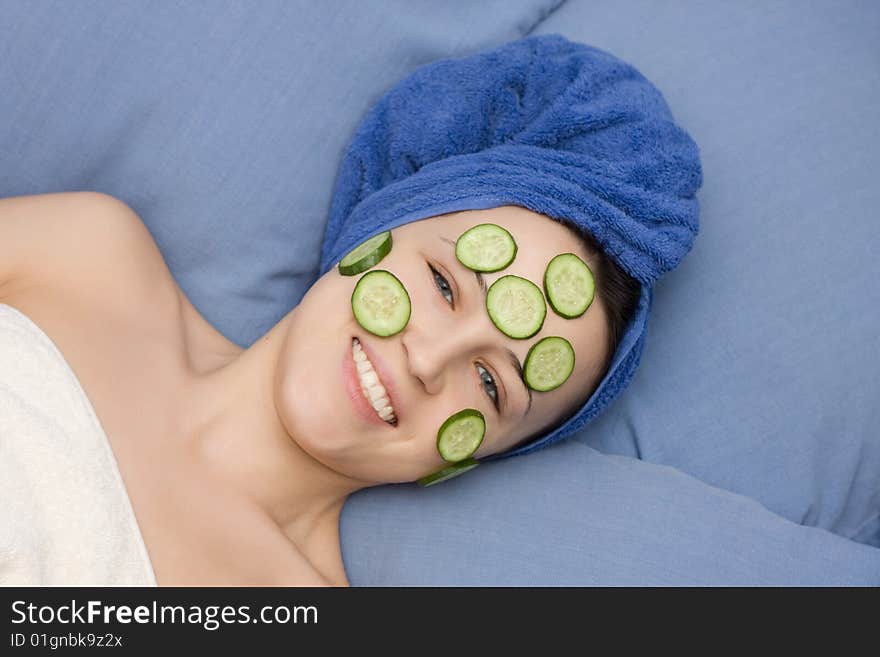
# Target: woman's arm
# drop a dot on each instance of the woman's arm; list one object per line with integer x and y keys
{"x": 77, "y": 242}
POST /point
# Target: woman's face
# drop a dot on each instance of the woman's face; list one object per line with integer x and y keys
{"x": 450, "y": 355}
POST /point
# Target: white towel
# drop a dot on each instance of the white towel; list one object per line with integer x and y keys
{"x": 65, "y": 516}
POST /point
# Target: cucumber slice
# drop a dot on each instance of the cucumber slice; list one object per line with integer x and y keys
{"x": 549, "y": 363}
{"x": 366, "y": 255}
{"x": 516, "y": 306}
{"x": 486, "y": 247}
{"x": 380, "y": 303}
{"x": 449, "y": 472}
{"x": 569, "y": 285}
{"x": 461, "y": 434}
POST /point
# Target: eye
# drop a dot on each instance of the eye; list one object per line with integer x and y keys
{"x": 443, "y": 286}
{"x": 489, "y": 386}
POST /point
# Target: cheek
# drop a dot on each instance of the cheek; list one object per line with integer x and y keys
{"x": 329, "y": 299}
{"x": 306, "y": 390}
{"x": 313, "y": 411}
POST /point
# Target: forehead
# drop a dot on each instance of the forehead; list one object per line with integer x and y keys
{"x": 539, "y": 239}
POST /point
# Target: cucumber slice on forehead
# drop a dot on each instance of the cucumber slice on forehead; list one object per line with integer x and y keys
{"x": 449, "y": 472}
{"x": 365, "y": 255}
{"x": 486, "y": 247}
{"x": 461, "y": 434}
{"x": 549, "y": 363}
{"x": 380, "y": 303}
{"x": 516, "y": 306}
{"x": 569, "y": 285}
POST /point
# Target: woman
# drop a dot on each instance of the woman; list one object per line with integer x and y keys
{"x": 237, "y": 462}
{"x": 252, "y": 452}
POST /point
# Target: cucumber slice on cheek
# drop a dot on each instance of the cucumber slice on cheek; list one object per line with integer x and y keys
{"x": 380, "y": 303}
{"x": 449, "y": 472}
{"x": 366, "y": 255}
{"x": 458, "y": 438}
{"x": 486, "y": 247}
{"x": 461, "y": 434}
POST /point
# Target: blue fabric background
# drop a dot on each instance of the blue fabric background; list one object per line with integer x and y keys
{"x": 222, "y": 124}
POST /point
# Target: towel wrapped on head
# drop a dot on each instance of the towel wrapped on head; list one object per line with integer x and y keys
{"x": 561, "y": 128}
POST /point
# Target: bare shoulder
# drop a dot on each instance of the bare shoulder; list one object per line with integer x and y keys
{"x": 85, "y": 244}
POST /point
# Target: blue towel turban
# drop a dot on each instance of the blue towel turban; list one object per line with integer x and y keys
{"x": 561, "y": 128}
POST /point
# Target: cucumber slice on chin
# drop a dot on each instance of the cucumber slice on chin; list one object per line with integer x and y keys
{"x": 549, "y": 363}
{"x": 380, "y": 303}
{"x": 461, "y": 434}
{"x": 516, "y": 306}
{"x": 569, "y": 285}
{"x": 366, "y": 255}
{"x": 485, "y": 247}
{"x": 448, "y": 472}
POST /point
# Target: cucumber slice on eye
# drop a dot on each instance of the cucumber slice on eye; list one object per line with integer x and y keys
{"x": 486, "y": 247}
{"x": 516, "y": 306}
{"x": 449, "y": 472}
{"x": 366, "y": 255}
{"x": 549, "y": 363}
{"x": 461, "y": 434}
{"x": 380, "y": 303}
{"x": 569, "y": 285}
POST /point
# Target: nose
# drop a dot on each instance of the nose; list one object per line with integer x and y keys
{"x": 433, "y": 356}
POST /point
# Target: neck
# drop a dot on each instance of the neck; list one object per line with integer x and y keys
{"x": 229, "y": 421}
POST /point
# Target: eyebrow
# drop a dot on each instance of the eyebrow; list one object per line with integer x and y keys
{"x": 513, "y": 359}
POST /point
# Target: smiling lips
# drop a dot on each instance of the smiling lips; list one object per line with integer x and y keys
{"x": 371, "y": 386}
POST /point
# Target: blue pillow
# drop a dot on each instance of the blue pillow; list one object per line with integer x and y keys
{"x": 571, "y": 516}
{"x": 760, "y": 371}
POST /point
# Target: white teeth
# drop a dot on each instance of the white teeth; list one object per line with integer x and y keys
{"x": 376, "y": 392}
{"x": 370, "y": 385}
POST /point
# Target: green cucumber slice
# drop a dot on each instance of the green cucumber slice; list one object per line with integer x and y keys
{"x": 549, "y": 363}
{"x": 516, "y": 306}
{"x": 366, "y": 255}
{"x": 569, "y": 285}
{"x": 449, "y": 472}
{"x": 461, "y": 434}
{"x": 380, "y": 303}
{"x": 485, "y": 247}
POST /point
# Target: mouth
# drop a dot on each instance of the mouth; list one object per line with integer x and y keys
{"x": 374, "y": 389}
